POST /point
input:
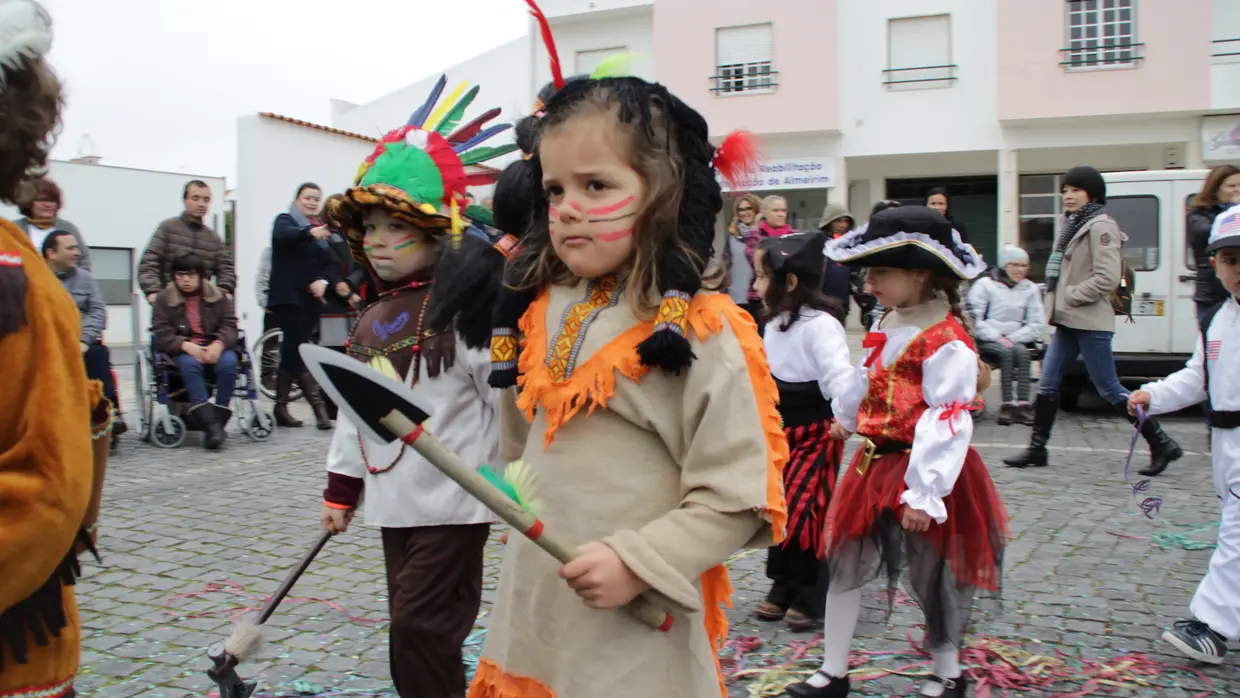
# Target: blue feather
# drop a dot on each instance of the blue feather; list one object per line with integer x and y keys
{"x": 425, "y": 110}
{"x": 485, "y": 134}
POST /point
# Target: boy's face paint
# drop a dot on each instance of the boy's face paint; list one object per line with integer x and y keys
{"x": 595, "y": 196}
{"x": 395, "y": 249}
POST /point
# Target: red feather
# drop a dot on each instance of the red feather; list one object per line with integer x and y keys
{"x": 737, "y": 157}
{"x": 472, "y": 128}
{"x": 556, "y": 74}
{"x": 481, "y": 179}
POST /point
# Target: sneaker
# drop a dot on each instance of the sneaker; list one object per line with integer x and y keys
{"x": 1196, "y": 640}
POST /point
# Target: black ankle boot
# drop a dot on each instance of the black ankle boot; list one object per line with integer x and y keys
{"x": 212, "y": 431}
{"x": 310, "y": 389}
{"x": 284, "y": 386}
{"x": 1045, "y": 407}
{"x": 1163, "y": 448}
{"x": 835, "y": 688}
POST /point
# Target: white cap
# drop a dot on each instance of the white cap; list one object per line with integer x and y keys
{"x": 1226, "y": 230}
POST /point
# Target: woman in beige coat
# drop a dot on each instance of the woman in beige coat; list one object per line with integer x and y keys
{"x": 1084, "y": 269}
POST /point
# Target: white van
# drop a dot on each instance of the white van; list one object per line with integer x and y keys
{"x": 1150, "y": 207}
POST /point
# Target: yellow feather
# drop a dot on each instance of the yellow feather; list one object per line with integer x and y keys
{"x": 384, "y": 366}
{"x": 525, "y": 483}
{"x": 442, "y": 110}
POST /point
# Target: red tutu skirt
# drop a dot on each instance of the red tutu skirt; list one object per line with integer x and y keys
{"x": 863, "y": 530}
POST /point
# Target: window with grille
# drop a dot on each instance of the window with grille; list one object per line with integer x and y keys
{"x": 587, "y": 61}
{"x": 1102, "y": 33}
{"x": 743, "y": 59}
{"x": 919, "y": 53}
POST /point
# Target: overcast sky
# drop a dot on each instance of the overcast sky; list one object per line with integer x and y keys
{"x": 159, "y": 84}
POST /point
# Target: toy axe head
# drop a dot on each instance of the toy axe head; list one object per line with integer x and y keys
{"x": 363, "y": 394}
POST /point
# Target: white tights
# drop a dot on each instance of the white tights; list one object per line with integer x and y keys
{"x": 842, "y": 613}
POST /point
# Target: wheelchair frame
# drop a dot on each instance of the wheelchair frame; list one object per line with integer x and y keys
{"x": 157, "y": 423}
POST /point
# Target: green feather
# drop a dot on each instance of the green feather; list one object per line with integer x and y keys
{"x": 616, "y": 66}
{"x": 409, "y": 169}
{"x": 452, "y": 118}
{"x": 480, "y": 214}
{"x": 477, "y": 155}
{"x": 500, "y": 483}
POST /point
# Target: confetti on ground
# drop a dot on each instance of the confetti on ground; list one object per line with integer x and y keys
{"x": 1183, "y": 541}
{"x": 995, "y": 667}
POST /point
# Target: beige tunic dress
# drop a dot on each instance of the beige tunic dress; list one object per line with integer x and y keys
{"x": 673, "y": 472}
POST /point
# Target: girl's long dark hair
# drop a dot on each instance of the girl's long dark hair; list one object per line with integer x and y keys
{"x": 807, "y": 293}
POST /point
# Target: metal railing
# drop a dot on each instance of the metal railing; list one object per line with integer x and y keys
{"x": 1104, "y": 54}
{"x": 945, "y": 78}
{"x": 1226, "y": 47}
{"x": 740, "y": 83}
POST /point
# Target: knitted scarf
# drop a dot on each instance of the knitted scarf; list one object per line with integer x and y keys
{"x": 1072, "y": 225}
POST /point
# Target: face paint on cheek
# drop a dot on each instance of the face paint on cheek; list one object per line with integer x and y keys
{"x": 405, "y": 246}
{"x": 614, "y": 236}
{"x": 604, "y": 210}
{"x": 576, "y": 206}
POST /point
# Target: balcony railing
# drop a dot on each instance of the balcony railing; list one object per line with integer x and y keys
{"x": 745, "y": 77}
{"x": 926, "y": 75}
{"x": 1105, "y": 55}
{"x": 1226, "y": 47}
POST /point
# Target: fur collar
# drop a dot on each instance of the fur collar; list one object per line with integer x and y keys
{"x": 210, "y": 293}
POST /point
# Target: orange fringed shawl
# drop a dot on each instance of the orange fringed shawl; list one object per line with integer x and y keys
{"x": 594, "y": 381}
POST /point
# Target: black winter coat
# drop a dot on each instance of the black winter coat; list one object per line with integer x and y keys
{"x": 297, "y": 260}
{"x": 1208, "y": 291}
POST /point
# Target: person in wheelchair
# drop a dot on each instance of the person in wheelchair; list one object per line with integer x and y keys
{"x": 195, "y": 326}
{"x": 1008, "y": 321}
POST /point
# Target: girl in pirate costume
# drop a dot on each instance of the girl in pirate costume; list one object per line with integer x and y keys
{"x": 916, "y": 495}
{"x": 406, "y": 205}
{"x": 645, "y": 408}
{"x": 808, "y": 356}
{"x": 54, "y": 424}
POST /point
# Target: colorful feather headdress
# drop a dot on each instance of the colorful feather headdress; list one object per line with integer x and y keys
{"x": 421, "y": 170}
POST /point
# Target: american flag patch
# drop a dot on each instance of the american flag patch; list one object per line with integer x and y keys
{"x": 1212, "y": 349}
{"x": 1231, "y": 226}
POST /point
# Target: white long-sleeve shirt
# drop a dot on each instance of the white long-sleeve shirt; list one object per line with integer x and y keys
{"x": 413, "y": 492}
{"x": 1186, "y": 387}
{"x": 814, "y": 348}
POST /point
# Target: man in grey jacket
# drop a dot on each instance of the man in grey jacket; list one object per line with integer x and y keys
{"x": 187, "y": 233}
{"x": 1085, "y": 267}
{"x": 62, "y": 253}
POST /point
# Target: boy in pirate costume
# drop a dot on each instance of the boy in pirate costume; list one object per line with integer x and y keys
{"x": 645, "y": 408}
{"x": 48, "y": 411}
{"x": 405, "y": 206}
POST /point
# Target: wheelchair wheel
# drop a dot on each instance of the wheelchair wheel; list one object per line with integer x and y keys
{"x": 144, "y": 392}
{"x": 267, "y": 353}
{"x": 168, "y": 439}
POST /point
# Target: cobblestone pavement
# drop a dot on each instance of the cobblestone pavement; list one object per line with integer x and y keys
{"x": 178, "y": 521}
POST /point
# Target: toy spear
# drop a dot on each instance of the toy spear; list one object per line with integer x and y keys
{"x": 385, "y": 410}
{"x": 247, "y": 635}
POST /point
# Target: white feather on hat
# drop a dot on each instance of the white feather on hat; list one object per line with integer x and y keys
{"x": 25, "y": 34}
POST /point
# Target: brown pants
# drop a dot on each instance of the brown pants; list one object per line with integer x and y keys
{"x": 434, "y": 576}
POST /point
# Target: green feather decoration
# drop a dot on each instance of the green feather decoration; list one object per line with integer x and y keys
{"x": 477, "y": 155}
{"x": 452, "y": 118}
{"x": 480, "y": 214}
{"x": 616, "y": 66}
{"x": 409, "y": 169}
{"x": 518, "y": 483}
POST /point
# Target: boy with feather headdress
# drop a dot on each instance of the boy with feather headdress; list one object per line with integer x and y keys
{"x": 408, "y": 203}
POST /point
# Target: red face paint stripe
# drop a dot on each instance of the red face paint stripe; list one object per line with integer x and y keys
{"x": 604, "y": 210}
{"x": 574, "y": 204}
{"x": 613, "y": 236}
